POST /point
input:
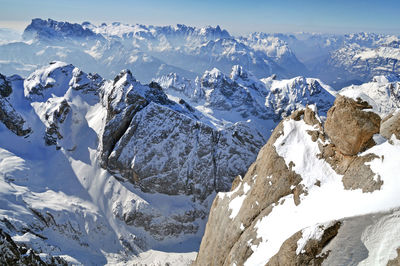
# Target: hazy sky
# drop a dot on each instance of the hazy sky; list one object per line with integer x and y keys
{"x": 237, "y": 16}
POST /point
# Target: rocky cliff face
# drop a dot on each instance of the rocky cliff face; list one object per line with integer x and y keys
{"x": 290, "y": 207}
{"x": 155, "y": 142}
{"x": 8, "y": 115}
{"x": 390, "y": 126}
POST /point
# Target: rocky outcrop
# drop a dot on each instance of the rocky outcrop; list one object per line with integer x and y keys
{"x": 12, "y": 119}
{"x": 56, "y": 114}
{"x": 395, "y": 261}
{"x": 12, "y": 253}
{"x": 311, "y": 251}
{"x": 87, "y": 83}
{"x": 123, "y": 98}
{"x": 350, "y": 130}
{"x": 5, "y": 86}
{"x": 298, "y": 163}
{"x": 8, "y": 115}
{"x": 391, "y": 126}
{"x": 359, "y": 175}
{"x": 267, "y": 181}
{"x": 161, "y": 227}
{"x": 161, "y": 146}
{"x": 349, "y": 127}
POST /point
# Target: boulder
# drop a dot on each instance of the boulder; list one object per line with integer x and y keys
{"x": 350, "y": 127}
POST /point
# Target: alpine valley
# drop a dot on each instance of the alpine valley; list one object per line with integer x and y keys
{"x": 175, "y": 145}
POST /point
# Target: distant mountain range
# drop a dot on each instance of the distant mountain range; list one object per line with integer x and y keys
{"x": 153, "y": 51}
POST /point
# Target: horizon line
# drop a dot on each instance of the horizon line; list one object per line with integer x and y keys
{"x": 20, "y": 25}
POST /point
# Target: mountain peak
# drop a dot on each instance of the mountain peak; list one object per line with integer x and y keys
{"x": 215, "y": 33}
{"x": 125, "y": 74}
{"x": 56, "y": 78}
{"x": 213, "y": 75}
{"x": 44, "y": 30}
{"x": 239, "y": 72}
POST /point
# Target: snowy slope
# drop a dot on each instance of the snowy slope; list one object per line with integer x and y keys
{"x": 66, "y": 204}
{"x": 329, "y": 201}
{"x": 383, "y": 93}
{"x": 278, "y": 49}
{"x": 109, "y": 171}
{"x": 296, "y": 207}
{"x": 357, "y": 61}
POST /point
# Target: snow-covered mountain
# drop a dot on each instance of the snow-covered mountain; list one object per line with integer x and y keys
{"x": 382, "y": 93}
{"x": 355, "y": 64}
{"x": 341, "y": 60}
{"x": 51, "y": 31}
{"x": 241, "y": 96}
{"x": 154, "y": 51}
{"x": 199, "y": 49}
{"x": 151, "y": 51}
{"x": 355, "y": 58}
{"x": 125, "y": 168}
{"x": 108, "y": 170}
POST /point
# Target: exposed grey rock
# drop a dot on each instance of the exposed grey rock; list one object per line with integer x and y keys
{"x": 162, "y": 147}
{"x": 123, "y": 98}
{"x": 12, "y": 253}
{"x": 55, "y": 117}
{"x": 85, "y": 82}
{"x": 360, "y": 176}
{"x": 161, "y": 227}
{"x": 8, "y": 115}
{"x": 5, "y": 86}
